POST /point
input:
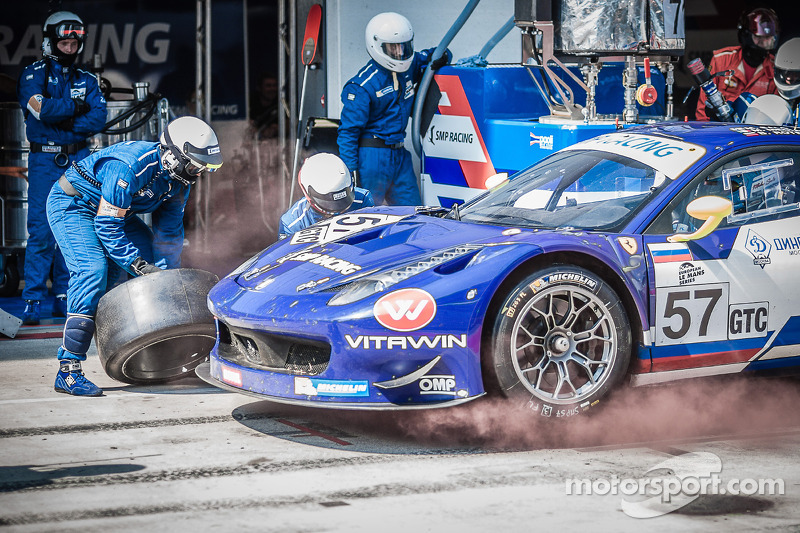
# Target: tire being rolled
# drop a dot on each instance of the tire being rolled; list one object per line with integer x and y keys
{"x": 157, "y": 327}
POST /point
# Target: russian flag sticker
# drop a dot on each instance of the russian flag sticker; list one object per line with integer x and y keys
{"x": 669, "y": 252}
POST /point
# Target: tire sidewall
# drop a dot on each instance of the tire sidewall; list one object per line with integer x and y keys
{"x": 505, "y": 374}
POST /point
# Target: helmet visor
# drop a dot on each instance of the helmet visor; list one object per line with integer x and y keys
{"x": 787, "y": 77}
{"x": 762, "y": 22}
{"x": 70, "y": 30}
{"x": 763, "y": 27}
{"x": 208, "y": 158}
{"x": 399, "y": 51}
{"x": 333, "y": 203}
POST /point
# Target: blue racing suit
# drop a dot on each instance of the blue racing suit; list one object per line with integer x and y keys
{"x": 93, "y": 218}
{"x": 301, "y": 215}
{"x": 376, "y": 105}
{"x": 57, "y": 127}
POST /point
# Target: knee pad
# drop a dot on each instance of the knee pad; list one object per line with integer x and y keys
{"x": 78, "y": 332}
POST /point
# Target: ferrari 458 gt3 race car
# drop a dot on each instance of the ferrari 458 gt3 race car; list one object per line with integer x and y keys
{"x": 650, "y": 254}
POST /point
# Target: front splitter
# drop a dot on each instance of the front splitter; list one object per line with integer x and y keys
{"x": 203, "y": 371}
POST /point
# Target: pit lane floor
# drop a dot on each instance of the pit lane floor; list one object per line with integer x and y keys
{"x": 190, "y": 457}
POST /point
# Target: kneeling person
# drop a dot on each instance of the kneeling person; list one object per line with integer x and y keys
{"x": 91, "y": 210}
{"x": 327, "y": 190}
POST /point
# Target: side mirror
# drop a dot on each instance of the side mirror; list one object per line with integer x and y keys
{"x": 712, "y": 209}
{"x": 495, "y": 180}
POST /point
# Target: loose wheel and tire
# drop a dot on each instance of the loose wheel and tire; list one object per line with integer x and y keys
{"x": 561, "y": 342}
{"x": 157, "y": 327}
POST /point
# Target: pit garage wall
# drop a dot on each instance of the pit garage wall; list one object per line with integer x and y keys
{"x": 710, "y": 24}
{"x": 346, "y": 21}
{"x": 142, "y": 41}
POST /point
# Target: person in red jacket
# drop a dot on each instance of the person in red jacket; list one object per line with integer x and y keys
{"x": 752, "y": 63}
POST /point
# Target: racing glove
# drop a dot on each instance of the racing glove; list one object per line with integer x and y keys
{"x": 141, "y": 267}
{"x": 81, "y": 107}
{"x": 67, "y": 124}
{"x": 441, "y": 61}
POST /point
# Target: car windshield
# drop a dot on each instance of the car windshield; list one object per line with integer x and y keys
{"x": 587, "y": 189}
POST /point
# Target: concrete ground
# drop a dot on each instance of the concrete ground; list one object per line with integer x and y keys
{"x": 190, "y": 457}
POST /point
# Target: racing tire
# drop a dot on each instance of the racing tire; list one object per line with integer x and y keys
{"x": 156, "y": 327}
{"x": 560, "y": 343}
{"x": 10, "y": 282}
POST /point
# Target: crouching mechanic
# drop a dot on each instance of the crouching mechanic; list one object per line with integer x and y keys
{"x": 328, "y": 190}
{"x": 92, "y": 211}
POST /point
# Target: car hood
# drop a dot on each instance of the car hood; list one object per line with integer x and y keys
{"x": 322, "y": 257}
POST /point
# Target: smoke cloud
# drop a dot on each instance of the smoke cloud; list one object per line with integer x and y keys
{"x": 696, "y": 410}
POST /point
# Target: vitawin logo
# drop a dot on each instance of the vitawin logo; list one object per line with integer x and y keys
{"x": 405, "y": 310}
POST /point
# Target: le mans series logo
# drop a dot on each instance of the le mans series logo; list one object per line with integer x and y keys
{"x": 759, "y": 247}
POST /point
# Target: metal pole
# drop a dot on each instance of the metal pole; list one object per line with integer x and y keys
{"x": 207, "y": 86}
{"x": 200, "y": 222}
{"x": 283, "y": 47}
{"x": 299, "y": 137}
{"x": 293, "y": 119}
{"x": 246, "y": 39}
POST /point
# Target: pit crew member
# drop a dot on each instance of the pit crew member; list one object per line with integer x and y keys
{"x": 92, "y": 209}
{"x": 327, "y": 190}
{"x": 63, "y": 106}
{"x": 376, "y": 105}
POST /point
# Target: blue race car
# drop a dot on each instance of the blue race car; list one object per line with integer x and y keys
{"x": 646, "y": 255}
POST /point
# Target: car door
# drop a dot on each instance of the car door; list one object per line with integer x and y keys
{"x": 727, "y": 301}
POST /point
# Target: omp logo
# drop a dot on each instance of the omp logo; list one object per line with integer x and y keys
{"x": 405, "y": 310}
{"x": 437, "y": 385}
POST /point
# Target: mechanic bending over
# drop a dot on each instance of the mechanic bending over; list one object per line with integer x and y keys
{"x": 376, "y": 105}
{"x": 92, "y": 209}
{"x": 63, "y": 106}
{"x": 328, "y": 190}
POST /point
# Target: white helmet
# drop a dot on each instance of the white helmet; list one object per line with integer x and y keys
{"x": 188, "y": 147}
{"x": 787, "y": 69}
{"x": 768, "y": 110}
{"x": 59, "y": 26}
{"x": 390, "y": 41}
{"x": 326, "y": 182}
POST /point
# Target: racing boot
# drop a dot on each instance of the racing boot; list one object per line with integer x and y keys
{"x": 60, "y": 305}
{"x": 30, "y": 316}
{"x": 70, "y": 380}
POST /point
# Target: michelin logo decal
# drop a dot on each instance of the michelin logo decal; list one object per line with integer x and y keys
{"x": 328, "y": 387}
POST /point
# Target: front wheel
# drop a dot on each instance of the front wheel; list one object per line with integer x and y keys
{"x": 560, "y": 342}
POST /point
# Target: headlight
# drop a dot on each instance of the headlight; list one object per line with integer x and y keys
{"x": 380, "y": 281}
{"x": 244, "y": 266}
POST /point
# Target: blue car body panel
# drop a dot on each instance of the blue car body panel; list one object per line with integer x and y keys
{"x": 417, "y": 342}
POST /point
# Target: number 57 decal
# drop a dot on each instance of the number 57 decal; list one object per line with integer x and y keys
{"x": 691, "y": 314}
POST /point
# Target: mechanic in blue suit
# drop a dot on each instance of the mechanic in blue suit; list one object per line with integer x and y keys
{"x": 63, "y": 106}
{"x": 92, "y": 209}
{"x": 327, "y": 190}
{"x": 376, "y": 105}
